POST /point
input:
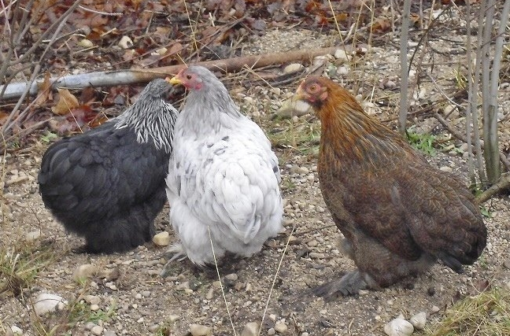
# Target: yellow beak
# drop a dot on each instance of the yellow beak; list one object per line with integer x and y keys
{"x": 299, "y": 95}
{"x": 174, "y": 80}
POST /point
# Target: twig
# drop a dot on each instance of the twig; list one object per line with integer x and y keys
{"x": 109, "y": 78}
{"x": 90, "y": 10}
{"x": 22, "y": 133}
{"x": 473, "y": 95}
{"x": 429, "y": 108}
{"x": 221, "y": 284}
{"x": 426, "y": 32}
{"x": 44, "y": 35}
{"x": 275, "y": 278}
{"x": 492, "y": 137}
{"x": 459, "y": 136}
{"x": 502, "y": 184}
{"x": 8, "y": 123}
{"x": 402, "y": 115}
{"x": 469, "y": 115}
{"x": 489, "y": 99}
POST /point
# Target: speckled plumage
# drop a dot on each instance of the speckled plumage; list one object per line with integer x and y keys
{"x": 223, "y": 176}
{"x": 108, "y": 184}
{"x": 398, "y": 214}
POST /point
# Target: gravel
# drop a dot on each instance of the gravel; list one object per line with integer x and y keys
{"x": 190, "y": 299}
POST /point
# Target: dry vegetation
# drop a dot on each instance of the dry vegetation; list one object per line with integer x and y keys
{"x": 169, "y": 32}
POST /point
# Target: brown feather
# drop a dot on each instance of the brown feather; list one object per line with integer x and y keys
{"x": 396, "y": 211}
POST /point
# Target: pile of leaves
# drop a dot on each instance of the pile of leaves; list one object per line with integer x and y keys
{"x": 123, "y": 34}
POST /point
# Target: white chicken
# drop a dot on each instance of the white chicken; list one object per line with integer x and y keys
{"x": 223, "y": 181}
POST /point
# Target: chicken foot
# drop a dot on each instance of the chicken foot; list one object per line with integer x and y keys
{"x": 175, "y": 252}
{"x": 349, "y": 284}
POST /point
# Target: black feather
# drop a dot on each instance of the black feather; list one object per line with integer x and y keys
{"x": 106, "y": 185}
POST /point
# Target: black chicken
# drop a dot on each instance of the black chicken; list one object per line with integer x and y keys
{"x": 108, "y": 184}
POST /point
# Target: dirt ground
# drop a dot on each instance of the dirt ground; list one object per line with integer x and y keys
{"x": 137, "y": 301}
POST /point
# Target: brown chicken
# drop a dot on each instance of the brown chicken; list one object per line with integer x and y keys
{"x": 397, "y": 213}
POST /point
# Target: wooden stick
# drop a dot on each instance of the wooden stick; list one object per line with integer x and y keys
{"x": 502, "y": 184}
{"x": 120, "y": 77}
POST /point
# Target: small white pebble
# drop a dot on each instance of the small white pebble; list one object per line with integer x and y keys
{"x": 16, "y": 330}
{"x": 161, "y": 239}
{"x": 97, "y": 330}
{"x": 250, "y": 329}
{"x": 125, "y": 42}
{"x": 200, "y": 330}
{"x": 280, "y": 327}
{"x": 398, "y": 327}
{"x": 419, "y": 320}
{"x": 293, "y": 67}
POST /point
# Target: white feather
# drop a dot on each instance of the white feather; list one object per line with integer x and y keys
{"x": 223, "y": 177}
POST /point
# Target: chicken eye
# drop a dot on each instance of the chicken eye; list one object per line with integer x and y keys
{"x": 313, "y": 88}
{"x": 189, "y": 77}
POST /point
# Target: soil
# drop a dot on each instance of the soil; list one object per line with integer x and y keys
{"x": 144, "y": 303}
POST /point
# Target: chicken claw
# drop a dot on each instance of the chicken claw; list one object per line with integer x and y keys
{"x": 349, "y": 284}
{"x": 175, "y": 252}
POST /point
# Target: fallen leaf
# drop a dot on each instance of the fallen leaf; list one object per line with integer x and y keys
{"x": 415, "y": 20}
{"x": 66, "y": 102}
{"x": 88, "y": 95}
{"x": 98, "y": 121}
{"x": 381, "y": 25}
{"x": 44, "y": 91}
{"x": 174, "y": 49}
{"x": 3, "y": 117}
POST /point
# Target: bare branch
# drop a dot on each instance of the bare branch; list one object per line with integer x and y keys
{"x": 469, "y": 115}
{"x": 404, "y": 67}
{"x": 44, "y": 35}
{"x": 502, "y": 184}
{"x": 489, "y": 104}
{"x": 459, "y": 136}
{"x": 473, "y": 95}
{"x": 109, "y": 78}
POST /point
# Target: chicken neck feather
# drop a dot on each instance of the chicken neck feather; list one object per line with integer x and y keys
{"x": 349, "y": 133}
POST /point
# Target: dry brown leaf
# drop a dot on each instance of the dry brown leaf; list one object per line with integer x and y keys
{"x": 44, "y": 91}
{"x": 66, "y": 102}
{"x": 381, "y": 25}
{"x": 415, "y": 19}
{"x": 176, "y": 48}
{"x": 3, "y": 117}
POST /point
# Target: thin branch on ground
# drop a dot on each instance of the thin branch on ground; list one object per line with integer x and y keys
{"x": 460, "y": 136}
{"x": 502, "y": 185}
{"x": 55, "y": 29}
{"x": 110, "y": 78}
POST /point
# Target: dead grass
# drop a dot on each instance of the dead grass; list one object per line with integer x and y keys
{"x": 21, "y": 263}
{"x": 301, "y": 136}
{"x": 63, "y": 322}
{"x": 486, "y": 314}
